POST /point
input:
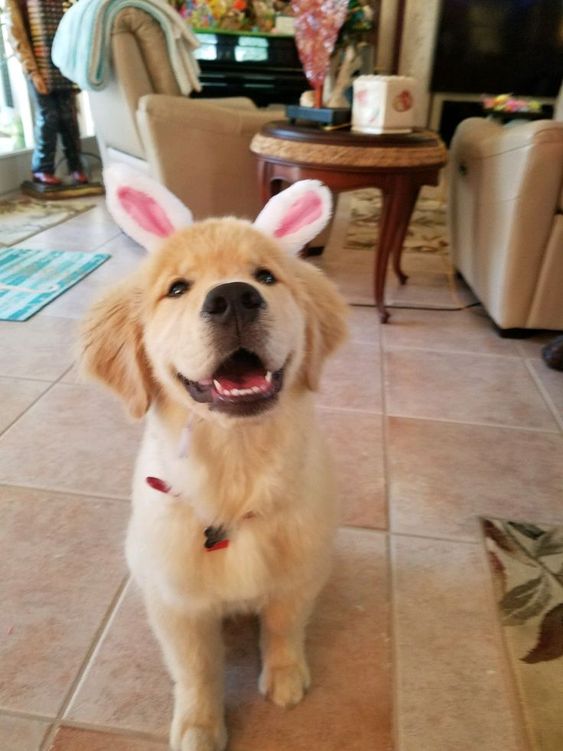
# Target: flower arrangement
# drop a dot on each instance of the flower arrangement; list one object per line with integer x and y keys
{"x": 328, "y": 34}
{"x": 509, "y": 103}
{"x": 232, "y": 15}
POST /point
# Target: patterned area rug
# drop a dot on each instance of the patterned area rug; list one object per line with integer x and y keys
{"x": 29, "y": 279}
{"x": 22, "y": 217}
{"x": 349, "y": 256}
{"x": 526, "y": 562}
{"x": 427, "y": 231}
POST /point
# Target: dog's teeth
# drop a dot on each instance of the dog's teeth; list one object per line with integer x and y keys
{"x": 256, "y": 390}
{"x": 218, "y": 386}
{"x": 269, "y": 376}
{"x": 235, "y": 392}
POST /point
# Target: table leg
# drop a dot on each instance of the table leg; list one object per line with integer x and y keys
{"x": 399, "y": 198}
{"x": 410, "y": 198}
{"x": 269, "y": 184}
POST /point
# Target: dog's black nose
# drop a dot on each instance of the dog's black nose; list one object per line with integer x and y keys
{"x": 236, "y": 300}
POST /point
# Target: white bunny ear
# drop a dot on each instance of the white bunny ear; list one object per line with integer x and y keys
{"x": 296, "y": 215}
{"x": 145, "y": 210}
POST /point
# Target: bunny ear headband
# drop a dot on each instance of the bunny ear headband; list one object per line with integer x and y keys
{"x": 148, "y": 212}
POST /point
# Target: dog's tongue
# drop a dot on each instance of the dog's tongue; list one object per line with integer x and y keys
{"x": 242, "y": 381}
{"x": 242, "y": 371}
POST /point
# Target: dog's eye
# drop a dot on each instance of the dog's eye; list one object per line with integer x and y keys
{"x": 178, "y": 288}
{"x": 265, "y": 276}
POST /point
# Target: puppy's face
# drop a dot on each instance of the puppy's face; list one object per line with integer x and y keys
{"x": 219, "y": 319}
{"x": 224, "y": 321}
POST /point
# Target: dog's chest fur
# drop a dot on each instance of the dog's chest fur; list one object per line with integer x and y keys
{"x": 268, "y": 485}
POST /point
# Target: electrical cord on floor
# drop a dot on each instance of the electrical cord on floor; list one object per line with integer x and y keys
{"x": 450, "y": 273}
{"x": 414, "y": 307}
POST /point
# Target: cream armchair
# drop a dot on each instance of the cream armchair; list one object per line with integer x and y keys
{"x": 506, "y": 219}
{"x": 198, "y": 148}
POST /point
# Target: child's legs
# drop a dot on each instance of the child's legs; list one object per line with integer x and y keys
{"x": 45, "y": 132}
{"x": 68, "y": 126}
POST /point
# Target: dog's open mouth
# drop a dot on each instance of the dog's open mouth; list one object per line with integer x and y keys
{"x": 241, "y": 385}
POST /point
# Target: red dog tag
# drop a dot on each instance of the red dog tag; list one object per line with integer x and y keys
{"x": 215, "y": 538}
{"x": 217, "y": 546}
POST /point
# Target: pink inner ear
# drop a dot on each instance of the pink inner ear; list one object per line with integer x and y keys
{"x": 306, "y": 210}
{"x": 145, "y": 211}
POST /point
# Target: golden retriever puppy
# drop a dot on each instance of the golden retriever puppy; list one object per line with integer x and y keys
{"x": 219, "y": 338}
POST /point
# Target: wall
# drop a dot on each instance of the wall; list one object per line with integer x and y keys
{"x": 417, "y": 51}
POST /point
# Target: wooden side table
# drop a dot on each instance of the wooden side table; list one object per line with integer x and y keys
{"x": 399, "y": 165}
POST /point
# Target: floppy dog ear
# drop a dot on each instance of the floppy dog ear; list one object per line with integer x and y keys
{"x": 145, "y": 210}
{"x": 326, "y": 326}
{"x": 113, "y": 351}
{"x": 296, "y": 215}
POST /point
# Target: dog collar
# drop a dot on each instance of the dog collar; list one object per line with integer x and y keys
{"x": 216, "y": 538}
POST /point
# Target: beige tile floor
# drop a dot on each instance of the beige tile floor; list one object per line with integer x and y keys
{"x": 432, "y": 420}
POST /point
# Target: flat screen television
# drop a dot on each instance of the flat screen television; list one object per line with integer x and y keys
{"x": 498, "y": 46}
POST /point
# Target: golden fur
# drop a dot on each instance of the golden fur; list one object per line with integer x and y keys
{"x": 271, "y": 466}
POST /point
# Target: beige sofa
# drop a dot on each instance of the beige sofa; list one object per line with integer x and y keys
{"x": 506, "y": 218}
{"x": 198, "y": 148}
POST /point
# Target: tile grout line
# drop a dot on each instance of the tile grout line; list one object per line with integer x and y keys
{"x": 110, "y": 240}
{"x": 9, "y": 377}
{"x": 497, "y": 425}
{"x": 544, "y": 393}
{"x": 436, "y": 538}
{"x": 353, "y": 410}
{"x": 30, "y": 405}
{"x": 120, "y": 731}
{"x": 94, "y": 496}
{"x": 91, "y": 653}
{"x": 67, "y": 219}
{"x": 18, "y": 714}
{"x": 435, "y": 350}
{"x": 391, "y": 616}
{"x": 508, "y": 675}
{"x": 52, "y": 384}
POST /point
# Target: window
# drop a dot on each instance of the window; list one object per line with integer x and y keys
{"x": 16, "y": 127}
{"x": 16, "y": 116}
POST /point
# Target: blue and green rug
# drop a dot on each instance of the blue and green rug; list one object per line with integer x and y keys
{"x": 29, "y": 279}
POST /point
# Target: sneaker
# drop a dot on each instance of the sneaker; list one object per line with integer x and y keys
{"x": 46, "y": 178}
{"x": 78, "y": 177}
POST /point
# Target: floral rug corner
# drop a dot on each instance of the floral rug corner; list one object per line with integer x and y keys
{"x": 526, "y": 563}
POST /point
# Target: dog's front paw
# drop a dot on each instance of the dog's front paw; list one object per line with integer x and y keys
{"x": 285, "y": 685}
{"x": 187, "y": 737}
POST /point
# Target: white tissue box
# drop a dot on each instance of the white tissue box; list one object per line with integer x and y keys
{"x": 383, "y": 104}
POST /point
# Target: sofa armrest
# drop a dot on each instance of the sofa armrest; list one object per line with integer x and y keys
{"x": 481, "y": 138}
{"x": 201, "y": 152}
{"x": 232, "y": 102}
{"x": 195, "y": 114}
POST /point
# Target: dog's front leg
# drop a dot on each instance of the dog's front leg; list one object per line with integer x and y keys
{"x": 193, "y": 649}
{"x": 285, "y": 675}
